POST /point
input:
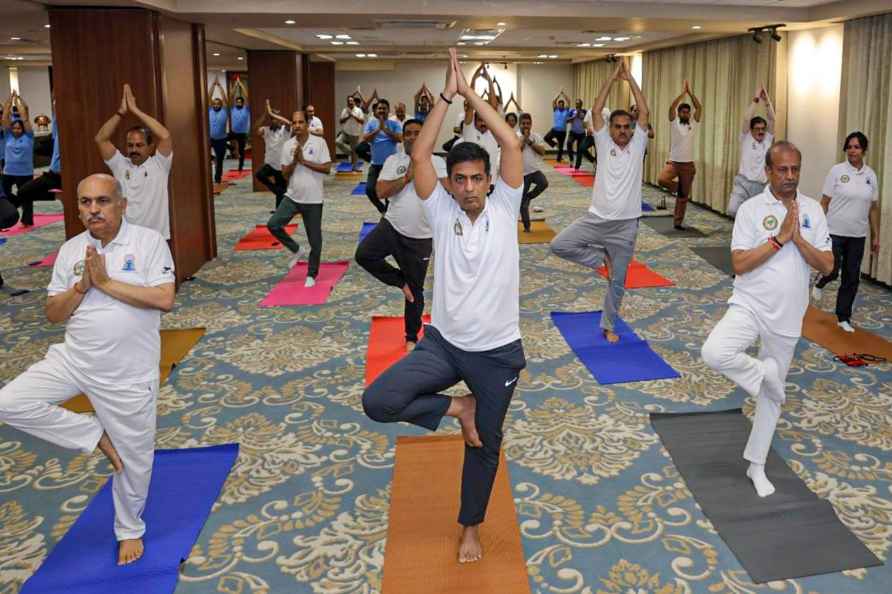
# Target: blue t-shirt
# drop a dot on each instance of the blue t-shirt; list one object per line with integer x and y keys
{"x": 241, "y": 119}
{"x": 19, "y": 154}
{"x": 218, "y": 122}
{"x": 2, "y": 144}
{"x": 578, "y": 124}
{"x": 382, "y": 145}
{"x": 56, "y": 163}
{"x": 421, "y": 116}
{"x": 560, "y": 118}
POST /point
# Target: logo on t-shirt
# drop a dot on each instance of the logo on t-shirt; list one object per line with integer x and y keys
{"x": 770, "y": 222}
{"x": 456, "y": 228}
{"x": 129, "y": 263}
{"x": 79, "y": 268}
{"x": 806, "y": 222}
{"x": 844, "y": 179}
{"x": 401, "y": 170}
{"x": 612, "y": 152}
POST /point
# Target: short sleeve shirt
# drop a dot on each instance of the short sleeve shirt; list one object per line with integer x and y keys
{"x": 477, "y": 271}
{"x": 489, "y": 143}
{"x": 681, "y": 140}
{"x": 107, "y": 339}
{"x": 145, "y": 187}
{"x": 578, "y": 124}
{"x": 382, "y": 145}
{"x": 405, "y": 212}
{"x": 19, "y": 154}
{"x": 777, "y": 290}
{"x": 306, "y": 185}
{"x": 752, "y": 156}
{"x": 852, "y": 192}
{"x": 351, "y": 127}
{"x": 315, "y": 125}
{"x": 532, "y": 162}
{"x": 273, "y": 140}
{"x": 560, "y": 119}
{"x": 241, "y": 119}
{"x": 616, "y": 194}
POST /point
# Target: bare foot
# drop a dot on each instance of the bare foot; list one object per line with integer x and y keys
{"x": 469, "y": 547}
{"x": 408, "y": 293}
{"x": 610, "y": 335}
{"x": 465, "y": 409}
{"x": 105, "y": 446}
{"x": 130, "y": 550}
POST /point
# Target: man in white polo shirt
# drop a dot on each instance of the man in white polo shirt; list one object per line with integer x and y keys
{"x": 305, "y": 163}
{"x": 146, "y": 169}
{"x": 608, "y": 231}
{"x": 352, "y": 120}
{"x": 275, "y": 131}
{"x": 314, "y": 124}
{"x": 403, "y": 232}
{"x": 474, "y": 333}
{"x": 534, "y": 181}
{"x": 682, "y": 131}
{"x": 778, "y": 237}
{"x": 755, "y": 138}
{"x": 476, "y": 130}
{"x": 109, "y": 285}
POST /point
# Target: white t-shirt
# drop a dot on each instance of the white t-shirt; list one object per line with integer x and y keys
{"x": 532, "y": 162}
{"x": 777, "y": 290}
{"x": 460, "y": 121}
{"x": 681, "y": 140}
{"x": 405, "y": 211}
{"x": 315, "y": 125}
{"x": 616, "y": 194}
{"x": 108, "y": 340}
{"x": 477, "y": 269}
{"x": 471, "y": 134}
{"x": 351, "y": 127}
{"x": 305, "y": 185}
{"x": 272, "y": 143}
{"x": 145, "y": 187}
{"x": 752, "y": 156}
{"x": 852, "y": 192}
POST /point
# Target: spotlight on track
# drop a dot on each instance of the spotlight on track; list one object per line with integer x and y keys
{"x": 611, "y": 58}
{"x": 770, "y": 30}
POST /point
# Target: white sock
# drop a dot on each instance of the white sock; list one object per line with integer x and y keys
{"x": 756, "y": 473}
{"x": 310, "y": 282}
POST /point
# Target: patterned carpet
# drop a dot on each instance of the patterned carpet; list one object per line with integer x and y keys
{"x": 601, "y": 508}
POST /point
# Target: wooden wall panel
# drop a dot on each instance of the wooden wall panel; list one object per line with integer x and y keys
{"x": 321, "y": 93}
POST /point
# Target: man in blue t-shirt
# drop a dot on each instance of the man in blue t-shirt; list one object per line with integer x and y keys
{"x": 18, "y": 168}
{"x": 383, "y": 135}
{"x": 576, "y": 133}
{"x": 240, "y": 125}
{"x": 218, "y": 117}
{"x": 558, "y": 133}
{"x": 43, "y": 187}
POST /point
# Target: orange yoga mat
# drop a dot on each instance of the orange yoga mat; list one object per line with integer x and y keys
{"x": 421, "y": 554}
{"x": 387, "y": 344}
{"x": 820, "y": 327}
{"x": 584, "y": 180}
{"x": 261, "y": 239}
{"x": 540, "y": 232}
{"x": 639, "y": 276}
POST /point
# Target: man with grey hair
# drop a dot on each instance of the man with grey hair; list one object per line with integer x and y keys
{"x": 109, "y": 285}
{"x": 778, "y": 237}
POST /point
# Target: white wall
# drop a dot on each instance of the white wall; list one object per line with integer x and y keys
{"x": 34, "y": 86}
{"x": 539, "y": 84}
{"x": 815, "y": 62}
{"x": 4, "y": 83}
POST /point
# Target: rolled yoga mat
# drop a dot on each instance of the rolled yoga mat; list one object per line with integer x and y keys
{"x": 387, "y": 344}
{"x": 421, "y": 554}
{"x": 540, "y": 232}
{"x": 792, "y": 533}
{"x": 720, "y": 257}
{"x": 665, "y": 226}
{"x": 185, "y": 484}
{"x": 821, "y": 328}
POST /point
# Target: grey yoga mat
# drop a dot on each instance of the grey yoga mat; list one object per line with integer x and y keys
{"x": 720, "y": 257}
{"x": 792, "y": 533}
{"x": 665, "y": 226}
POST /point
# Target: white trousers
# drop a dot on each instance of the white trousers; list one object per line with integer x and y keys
{"x": 126, "y": 412}
{"x": 725, "y": 352}
{"x": 742, "y": 190}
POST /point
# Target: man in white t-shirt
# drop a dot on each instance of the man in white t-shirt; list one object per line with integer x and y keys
{"x": 851, "y": 201}
{"x": 305, "y": 163}
{"x": 682, "y": 131}
{"x": 275, "y": 130}
{"x": 756, "y": 136}
{"x": 608, "y": 231}
{"x": 314, "y": 124}
{"x": 403, "y": 232}
{"x": 146, "y": 169}
{"x": 476, "y": 130}
{"x": 109, "y": 286}
{"x": 534, "y": 181}
{"x": 778, "y": 237}
{"x": 352, "y": 119}
{"x": 474, "y": 333}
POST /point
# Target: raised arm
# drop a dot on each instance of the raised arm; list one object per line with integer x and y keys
{"x": 493, "y": 99}
{"x": 698, "y": 108}
{"x": 273, "y": 115}
{"x": 640, "y": 101}
{"x": 749, "y": 114}
{"x": 770, "y": 115}
{"x": 425, "y": 174}
{"x": 673, "y": 109}
{"x": 265, "y": 118}
{"x": 25, "y": 114}
{"x": 103, "y": 137}
{"x": 601, "y": 99}
{"x": 7, "y": 111}
{"x": 163, "y": 141}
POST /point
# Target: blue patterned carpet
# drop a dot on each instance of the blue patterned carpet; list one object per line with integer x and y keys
{"x": 601, "y": 507}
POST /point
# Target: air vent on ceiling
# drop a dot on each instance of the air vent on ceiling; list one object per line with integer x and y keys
{"x": 439, "y": 24}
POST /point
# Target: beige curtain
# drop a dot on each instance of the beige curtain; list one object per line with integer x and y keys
{"x": 589, "y": 78}
{"x": 865, "y": 103}
{"x": 723, "y": 74}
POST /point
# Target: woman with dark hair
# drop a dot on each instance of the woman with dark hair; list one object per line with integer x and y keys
{"x": 19, "y": 155}
{"x": 851, "y": 201}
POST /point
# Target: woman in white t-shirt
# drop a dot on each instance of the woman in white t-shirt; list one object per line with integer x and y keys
{"x": 851, "y": 201}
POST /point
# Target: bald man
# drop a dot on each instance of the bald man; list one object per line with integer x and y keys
{"x": 109, "y": 286}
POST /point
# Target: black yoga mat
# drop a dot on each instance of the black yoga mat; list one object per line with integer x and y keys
{"x": 665, "y": 226}
{"x": 720, "y": 257}
{"x": 789, "y": 534}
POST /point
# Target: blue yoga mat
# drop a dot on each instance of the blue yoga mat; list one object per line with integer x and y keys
{"x": 629, "y": 360}
{"x": 359, "y": 190}
{"x": 646, "y": 207}
{"x": 2, "y": 240}
{"x": 185, "y": 484}
{"x": 366, "y": 229}
{"x": 346, "y": 167}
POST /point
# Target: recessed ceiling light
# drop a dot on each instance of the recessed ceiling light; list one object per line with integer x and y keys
{"x": 621, "y": 38}
{"x": 583, "y": 45}
{"x": 360, "y": 55}
{"x": 501, "y": 24}
{"x": 216, "y": 54}
{"x": 696, "y": 27}
{"x": 461, "y": 43}
{"x": 479, "y": 43}
{"x": 553, "y": 56}
{"x": 342, "y": 36}
{"x": 604, "y": 38}
{"x": 337, "y": 43}
{"x": 15, "y": 38}
{"x": 372, "y": 55}
{"x": 597, "y": 45}
{"x": 290, "y": 22}
{"x": 352, "y": 43}
{"x": 240, "y": 58}
{"x": 537, "y": 62}
{"x": 46, "y": 26}
{"x": 542, "y": 56}
{"x": 323, "y": 36}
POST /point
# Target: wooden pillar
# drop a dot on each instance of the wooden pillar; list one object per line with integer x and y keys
{"x": 321, "y": 93}
{"x": 96, "y": 51}
{"x": 277, "y": 76}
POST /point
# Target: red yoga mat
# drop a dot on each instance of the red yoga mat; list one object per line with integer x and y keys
{"x": 40, "y": 220}
{"x": 639, "y": 276}
{"x": 387, "y": 344}
{"x": 291, "y": 290}
{"x": 587, "y": 180}
{"x": 234, "y": 174}
{"x": 261, "y": 239}
{"x": 48, "y": 261}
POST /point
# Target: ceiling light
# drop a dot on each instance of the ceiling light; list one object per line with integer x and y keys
{"x": 621, "y": 38}
{"x": 372, "y": 55}
{"x": 290, "y": 22}
{"x": 501, "y": 24}
{"x": 696, "y": 27}
{"x": 542, "y": 56}
{"x": 479, "y": 43}
{"x": 46, "y": 26}
{"x": 216, "y": 54}
{"x": 240, "y": 58}
{"x": 553, "y": 56}
{"x": 537, "y": 62}
{"x": 583, "y": 45}
{"x": 323, "y": 36}
{"x": 597, "y": 45}
{"x": 775, "y": 36}
{"x": 477, "y": 37}
{"x": 360, "y": 55}
{"x": 342, "y": 36}
{"x": 15, "y": 38}
{"x": 337, "y": 43}
{"x": 604, "y": 38}
{"x": 352, "y": 43}
{"x": 461, "y": 43}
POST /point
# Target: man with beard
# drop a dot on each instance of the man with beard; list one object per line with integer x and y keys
{"x": 218, "y": 118}
{"x": 144, "y": 172}
{"x": 682, "y": 131}
{"x": 383, "y": 135}
{"x": 275, "y": 131}
{"x": 240, "y": 116}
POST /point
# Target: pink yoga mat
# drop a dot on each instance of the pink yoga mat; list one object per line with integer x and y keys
{"x": 291, "y": 291}
{"x": 48, "y": 261}
{"x": 40, "y": 220}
